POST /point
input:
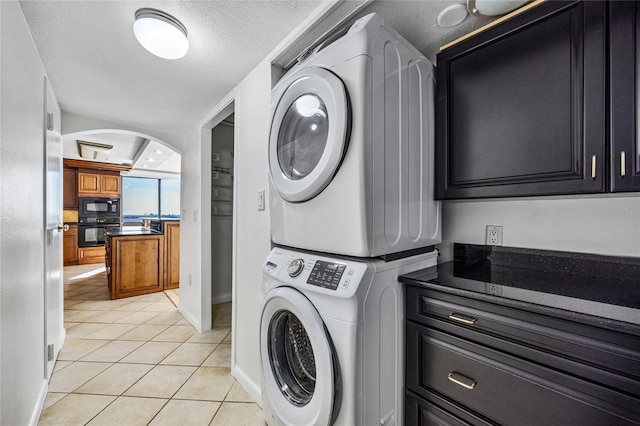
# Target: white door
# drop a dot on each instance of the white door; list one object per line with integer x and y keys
{"x": 299, "y": 371}
{"x": 309, "y": 132}
{"x": 53, "y": 287}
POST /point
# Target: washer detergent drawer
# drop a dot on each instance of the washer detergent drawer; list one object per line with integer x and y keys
{"x": 505, "y": 389}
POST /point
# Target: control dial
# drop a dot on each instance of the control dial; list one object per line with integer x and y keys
{"x": 295, "y": 267}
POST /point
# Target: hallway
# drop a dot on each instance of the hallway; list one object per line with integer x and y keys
{"x": 137, "y": 361}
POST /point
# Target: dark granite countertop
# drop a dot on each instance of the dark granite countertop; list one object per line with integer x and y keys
{"x": 128, "y": 231}
{"x": 584, "y": 287}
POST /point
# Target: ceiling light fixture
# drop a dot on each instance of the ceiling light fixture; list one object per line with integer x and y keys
{"x": 160, "y": 33}
{"x": 94, "y": 151}
{"x": 489, "y": 8}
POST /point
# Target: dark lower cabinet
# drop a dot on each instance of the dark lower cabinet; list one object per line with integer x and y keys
{"x": 625, "y": 96}
{"x": 473, "y": 362}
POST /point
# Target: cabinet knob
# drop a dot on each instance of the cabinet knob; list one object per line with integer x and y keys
{"x": 62, "y": 227}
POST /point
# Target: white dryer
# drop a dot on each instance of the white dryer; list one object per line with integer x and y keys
{"x": 351, "y": 147}
{"x": 332, "y": 339}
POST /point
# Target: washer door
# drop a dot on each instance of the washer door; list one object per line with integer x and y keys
{"x": 297, "y": 360}
{"x": 309, "y": 132}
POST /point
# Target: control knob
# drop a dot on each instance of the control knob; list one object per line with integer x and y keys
{"x": 295, "y": 267}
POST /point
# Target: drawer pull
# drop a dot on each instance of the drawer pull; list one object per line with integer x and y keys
{"x": 461, "y": 380}
{"x": 462, "y": 319}
{"x": 623, "y": 164}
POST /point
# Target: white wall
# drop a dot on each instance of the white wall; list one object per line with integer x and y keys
{"x": 22, "y": 384}
{"x": 602, "y": 224}
{"x": 252, "y": 226}
{"x": 191, "y": 231}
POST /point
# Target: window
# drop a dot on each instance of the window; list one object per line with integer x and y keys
{"x": 149, "y": 198}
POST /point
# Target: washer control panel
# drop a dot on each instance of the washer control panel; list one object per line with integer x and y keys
{"x": 333, "y": 275}
{"x": 326, "y": 274}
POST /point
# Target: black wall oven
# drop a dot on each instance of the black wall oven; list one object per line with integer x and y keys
{"x": 91, "y": 230}
{"x": 98, "y": 207}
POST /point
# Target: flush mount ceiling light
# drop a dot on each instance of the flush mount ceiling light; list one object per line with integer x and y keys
{"x": 160, "y": 33}
{"x": 490, "y": 8}
{"x": 452, "y": 15}
{"x": 94, "y": 151}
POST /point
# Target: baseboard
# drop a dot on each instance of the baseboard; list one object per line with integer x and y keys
{"x": 254, "y": 389}
{"x": 223, "y": 298}
{"x": 37, "y": 409}
{"x": 195, "y": 322}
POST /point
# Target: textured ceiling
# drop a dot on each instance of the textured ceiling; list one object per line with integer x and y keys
{"x": 98, "y": 69}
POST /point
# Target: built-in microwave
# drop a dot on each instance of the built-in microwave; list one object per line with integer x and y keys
{"x": 98, "y": 207}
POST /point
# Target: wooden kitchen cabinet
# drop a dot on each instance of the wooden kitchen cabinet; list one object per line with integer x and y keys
{"x": 521, "y": 106}
{"x": 470, "y": 361}
{"x": 91, "y": 184}
{"x": 625, "y": 96}
{"x": 69, "y": 189}
{"x": 70, "y": 246}
{"x": 172, "y": 251}
{"x": 135, "y": 264}
{"x": 88, "y": 255}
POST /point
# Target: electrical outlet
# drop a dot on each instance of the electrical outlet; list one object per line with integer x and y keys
{"x": 493, "y": 236}
{"x": 493, "y": 289}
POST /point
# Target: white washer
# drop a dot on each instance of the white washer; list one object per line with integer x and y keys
{"x": 351, "y": 147}
{"x": 332, "y": 339}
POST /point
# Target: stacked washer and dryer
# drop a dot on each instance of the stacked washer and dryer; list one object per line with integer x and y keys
{"x": 352, "y": 208}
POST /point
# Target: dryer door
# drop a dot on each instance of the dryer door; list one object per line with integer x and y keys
{"x": 300, "y": 373}
{"x": 309, "y": 132}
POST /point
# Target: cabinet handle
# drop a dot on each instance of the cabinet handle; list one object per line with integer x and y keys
{"x": 593, "y": 167}
{"x": 623, "y": 164}
{"x": 462, "y": 319}
{"x": 461, "y": 380}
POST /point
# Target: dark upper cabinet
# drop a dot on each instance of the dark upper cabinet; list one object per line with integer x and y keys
{"x": 624, "y": 86}
{"x": 521, "y": 106}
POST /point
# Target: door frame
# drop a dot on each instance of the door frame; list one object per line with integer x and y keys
{"x": 53, "y": 289}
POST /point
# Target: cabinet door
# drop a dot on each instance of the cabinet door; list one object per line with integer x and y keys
{"x": 110, "y": 185}
{"x": 70, "y": 189}
{"x": 70, "y": 246}
{"x": 521, "y": 106}
{"x": 625, "y": 57}
{"x": 89, "y": 183}
{"x": 172, "y": 242}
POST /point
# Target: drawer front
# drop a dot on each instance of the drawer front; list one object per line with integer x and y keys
{"x": 435, "y": 410}
{"x": 505, "y": 389}
{"x": 609, "y": 350}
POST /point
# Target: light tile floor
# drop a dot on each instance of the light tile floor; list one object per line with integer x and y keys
{"x": 137, "y": 361}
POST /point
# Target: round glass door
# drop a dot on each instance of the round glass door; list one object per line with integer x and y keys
{"x": 303, "y": 136}
{"x": 291, "y": 357}
{"x": 309, "y": 131}
{"x": 298, "y": 362}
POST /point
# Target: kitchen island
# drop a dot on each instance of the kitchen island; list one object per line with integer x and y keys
{"x": 135, "y": 261}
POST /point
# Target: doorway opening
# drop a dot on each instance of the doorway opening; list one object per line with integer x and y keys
{"x": 222, "y": 189}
